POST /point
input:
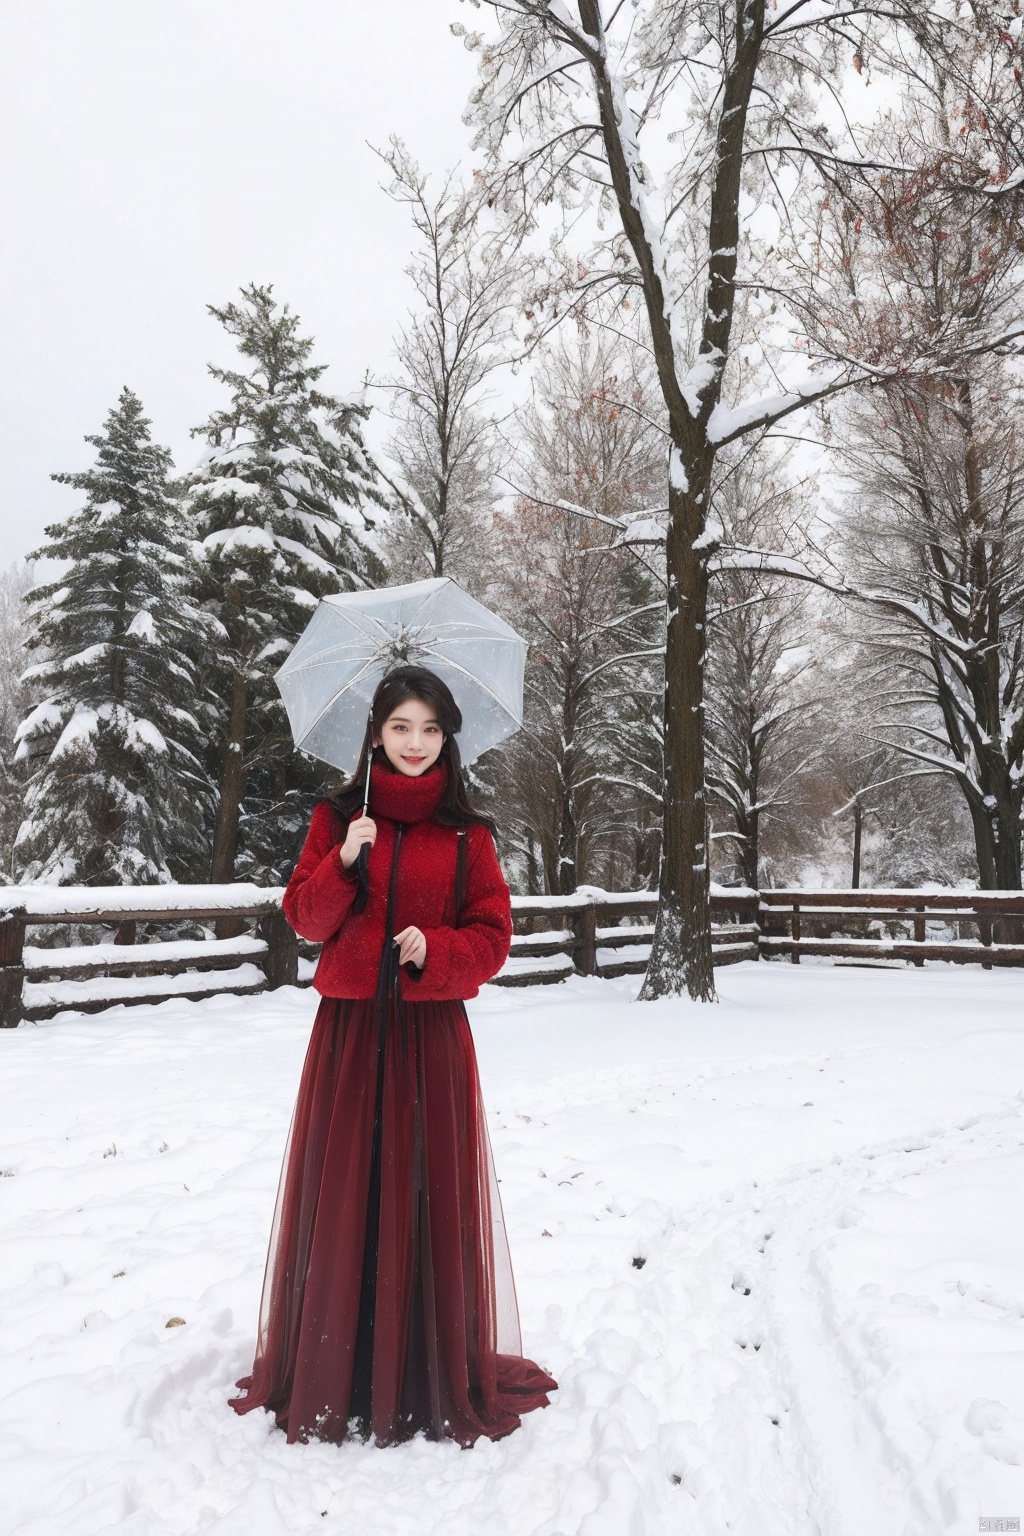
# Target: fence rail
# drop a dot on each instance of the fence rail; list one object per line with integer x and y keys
{"x": 589, "y": 933}
{"x": 980, "y": 927}
{"x": 577, "y": 945}
{"x": 37, "y": 981}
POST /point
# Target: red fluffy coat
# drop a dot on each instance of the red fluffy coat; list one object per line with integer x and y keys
{"x": 320, "y": 893}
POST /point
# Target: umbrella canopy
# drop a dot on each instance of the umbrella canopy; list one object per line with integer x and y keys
{"x": 355, "y": 638}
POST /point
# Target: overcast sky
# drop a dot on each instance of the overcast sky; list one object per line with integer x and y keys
{"x": 159, "y": 153}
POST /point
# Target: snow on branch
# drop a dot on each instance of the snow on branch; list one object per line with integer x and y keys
{"x": 727, "y": 423}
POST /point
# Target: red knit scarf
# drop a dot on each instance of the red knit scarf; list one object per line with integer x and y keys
{"x": 400, "y": 797}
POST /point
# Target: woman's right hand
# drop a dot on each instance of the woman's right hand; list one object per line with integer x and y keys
{"x": 361, "y": 832}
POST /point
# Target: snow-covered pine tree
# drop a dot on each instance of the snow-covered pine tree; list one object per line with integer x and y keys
{"x": 116, "y": 788}
{"x": 15, "y": 582}
{"x": 282, "y": 504}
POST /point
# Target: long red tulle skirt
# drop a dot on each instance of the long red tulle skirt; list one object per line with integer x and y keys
{"x": 388, "y": 1304}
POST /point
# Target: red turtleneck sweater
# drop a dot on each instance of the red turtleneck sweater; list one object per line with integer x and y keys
{"x": 320, "y": 893}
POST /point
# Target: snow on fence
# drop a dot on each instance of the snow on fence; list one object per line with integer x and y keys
{"x": 590, "y": 933}
{"x": 978, "y": 927}
{"x": 586, "y": 935}
{"x": 37, "y": 982}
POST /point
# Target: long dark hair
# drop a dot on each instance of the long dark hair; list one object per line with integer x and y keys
{"x": 408, "y": 682}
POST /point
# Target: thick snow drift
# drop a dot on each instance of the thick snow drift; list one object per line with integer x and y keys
{"x": 771, "y": 1250}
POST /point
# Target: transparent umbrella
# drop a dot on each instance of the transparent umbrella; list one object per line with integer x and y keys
{"x": 354, "y": 638}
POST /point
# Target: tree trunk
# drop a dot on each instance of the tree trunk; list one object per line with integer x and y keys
{"x": 439, "y": 544}
{"x": 858, "y": 827}
{"x": 567, "y": 838}
{"x": 534, "y": 881}
{"x": 232, "y": 783}
{"x": 1004, "y": 837}
{"x": 750, "y": 855}
{"x": 681, "y": 952}
{"x": 997, "y": 846}
{"x": 996, "y": 823}
{"x": 568, "y": 822}
{"x": 997, "y": 843}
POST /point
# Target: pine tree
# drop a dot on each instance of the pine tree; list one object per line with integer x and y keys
{"x": 15, "y": 583}
{"x": 116, "y": 787}
{"x": 282, "y": 506}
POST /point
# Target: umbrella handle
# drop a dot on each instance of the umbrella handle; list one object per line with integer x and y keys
{"x": 363, "y": 859}
{"x": 369, "y": 764}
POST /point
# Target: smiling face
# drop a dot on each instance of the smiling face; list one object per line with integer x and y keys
{"x": 411, "y": 737}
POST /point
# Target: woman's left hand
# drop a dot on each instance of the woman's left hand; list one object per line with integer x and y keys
{"x": 412, "y": 947}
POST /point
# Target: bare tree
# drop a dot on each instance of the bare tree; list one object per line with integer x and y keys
{"x": 591, "y": 755}
{"x": 730, "y": 96}
{"x": 762, "y": 715}
{"x": 760, "y": 712}
{"x": 935, "y": 527}
{"x": 761, "y": 709}
{"x": 869, "y": 815}
{"x": 445, "y": 439}
{"x": 950, "y": 656}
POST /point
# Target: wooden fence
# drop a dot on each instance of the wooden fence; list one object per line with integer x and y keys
{"x": 38, "y": 981}
{"x": 590, "y": 933}
{"x": 556, "y": 936}
{"x": 602, "y": 933}
{"x": 875, "y": 926}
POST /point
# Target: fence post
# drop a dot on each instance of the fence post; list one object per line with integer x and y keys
{"x": 12, "y": 969}
{"x": 985, "y": 934}
{"x": 584, "y": 949}
{"x": 795, "y": 929}
{"x": 754, "y": 914}
{"x": 125, "y": 933}
{"x": 919, "y": 937}
{"x": 281, "y": 961}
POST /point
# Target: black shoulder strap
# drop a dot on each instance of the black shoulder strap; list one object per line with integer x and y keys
{"x": 460, "y": 874}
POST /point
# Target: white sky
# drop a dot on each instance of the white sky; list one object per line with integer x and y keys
{"x": 160, "y": 153}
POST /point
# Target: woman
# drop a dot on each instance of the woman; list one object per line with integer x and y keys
{"x": 388, "y": 1304}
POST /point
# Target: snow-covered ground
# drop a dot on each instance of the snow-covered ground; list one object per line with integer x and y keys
{"x": 772, "y": 1250}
